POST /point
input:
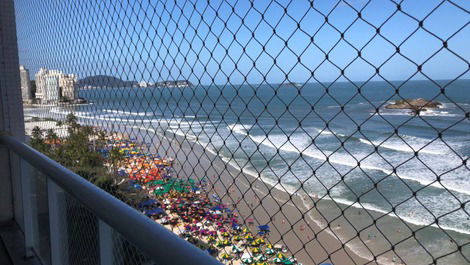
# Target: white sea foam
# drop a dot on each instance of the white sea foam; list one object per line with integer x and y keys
{"x": 436, "y": 112}
{"x": 280, "y": 142}
{"x": 398, "y": 145}
{"x": 324, "y": 132}
{"x": 127, "y": 112}
{"x": 287, "y": 146}
{"x": 408, "y": 219}
{"x": 239, "y": 128}
{"x": 185, "y": 134}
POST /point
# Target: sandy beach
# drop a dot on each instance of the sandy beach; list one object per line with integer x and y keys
{"x": 291, "y": 222}
{"x": 315, "y": 230}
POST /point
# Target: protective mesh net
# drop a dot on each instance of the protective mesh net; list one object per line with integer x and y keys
{"x": 266, "y": 131}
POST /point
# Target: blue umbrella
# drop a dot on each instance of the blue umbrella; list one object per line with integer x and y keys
{"x": 215, "y": 208}
{"x": 264, "y": 228}
{"x": 147, "y": 203}
{"x": 153, "y": 212}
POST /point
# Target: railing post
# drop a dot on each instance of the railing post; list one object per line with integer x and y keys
{"x": 28, "y": 209}
{"x": 11, "y": 115}
{"x": 106, "y": 243}
{"x": 57, "y": 224}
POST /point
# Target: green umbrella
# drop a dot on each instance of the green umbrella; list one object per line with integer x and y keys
{"x": 262, "y": 258}
{"x": 237, "y": 249}
{"x": 269, "y": 251}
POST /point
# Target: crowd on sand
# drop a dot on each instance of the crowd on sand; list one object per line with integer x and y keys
{"x": 185, "y": 206}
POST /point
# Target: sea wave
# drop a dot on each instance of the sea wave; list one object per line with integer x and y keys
{"x": 396, "y": 144}
{"x": 239, "y": 128}
{"x": 373, "y": 208}
{"x": 345, "y": 202}
{"x": 128, "y": 112}
{"x": 283, "y": 143}
{"x": 399, "y": 145}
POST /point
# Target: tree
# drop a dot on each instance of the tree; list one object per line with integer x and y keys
{"x": 72, "y": 121}
{"x": 116, "y": 157}
{"x": 78, "y": 153}
{"x": 51, "y": 137}
{"x": 37, "y": 140}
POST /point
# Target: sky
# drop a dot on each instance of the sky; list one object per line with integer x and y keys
{"x": 239, "y": 42}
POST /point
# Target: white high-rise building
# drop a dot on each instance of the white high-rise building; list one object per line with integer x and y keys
{"x": 51, "y": 85}
{"x": 26, "y": 92}
{"x": 52, "y": 89}
{"x": 41, "y": 84}
{"x": 67, "y": 85}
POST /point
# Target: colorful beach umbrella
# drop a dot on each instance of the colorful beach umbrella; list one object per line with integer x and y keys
{"x": 264, "y": 228}
{"x": 262, "y": 258}
{"x": 270, "y": 251}
{"x": 260, "y": 241}
{"x": 236, "y": 249}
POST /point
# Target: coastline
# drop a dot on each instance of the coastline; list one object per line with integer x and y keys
{"x": 290, "y": 210}
{"x": 254, "y": 199}
{"x": 344, "y": 224}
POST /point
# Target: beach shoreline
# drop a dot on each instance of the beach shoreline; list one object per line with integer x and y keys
{"x": 333, "y": 225}
{"x": 254, "y": 198}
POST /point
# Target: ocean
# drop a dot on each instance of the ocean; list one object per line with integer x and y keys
{"x": 325, "y": 139}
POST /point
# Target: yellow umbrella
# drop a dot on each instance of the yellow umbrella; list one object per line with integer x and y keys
{"x": 249, "y": 237}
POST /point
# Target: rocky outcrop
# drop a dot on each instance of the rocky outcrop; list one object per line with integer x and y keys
{"x": 414, "y": 104}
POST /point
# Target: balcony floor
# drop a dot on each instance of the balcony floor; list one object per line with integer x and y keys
{"x": 4, "y": 257}
{"x": 12, "y": 249}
